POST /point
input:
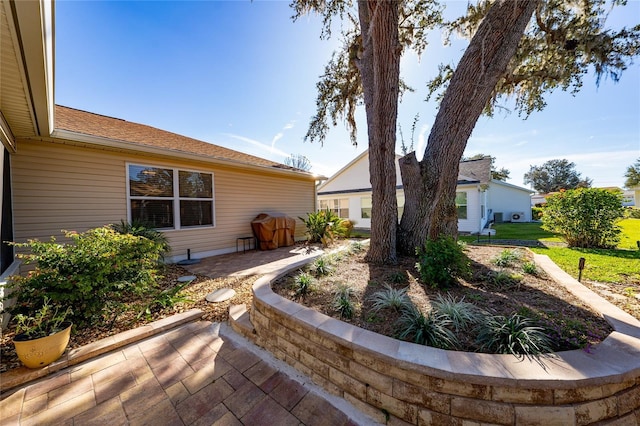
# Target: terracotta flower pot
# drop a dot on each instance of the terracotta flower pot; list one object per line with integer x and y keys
{"x": 37, "y": 353}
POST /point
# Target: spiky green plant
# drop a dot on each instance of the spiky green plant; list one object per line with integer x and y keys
{"x": 431, "y": 329}
{"x": 342, "y": 302}
{"x": 390, "y": 298}
{"x": 303, "y": 283}
{"x": 322, "y": 266}
{"x": 462, "y": 314}
{"x": 516, "y": 335}
{"x": 529, "y": 268}
{"x": 507, "y": 257}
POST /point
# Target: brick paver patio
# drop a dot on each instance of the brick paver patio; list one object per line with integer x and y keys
{"x": 197, "y": 374}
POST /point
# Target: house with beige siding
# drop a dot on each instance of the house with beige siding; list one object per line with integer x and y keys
{"x": 67, "y": 169}
{"x": 479, "y": 198}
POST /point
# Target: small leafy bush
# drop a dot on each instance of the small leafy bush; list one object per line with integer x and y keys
{"x": 632, "y": 213}
{"x": 96, "y": 267}
{"x": 342, "y": 302}
{"x": 441, "y": 262}
{"x": 461, "y": 314}
{"x": 391, "y": 298}
{"x": 143, "y": 229}
{"x": 530, "y": 268}
{"x": 585, "y": 217}
{"x": 507, "y": 257}
{"x": 516, "y": 335}
{"x": 303, "y": 284}
{"x": 431, "y": 329}
{"x": 537, "y": 213}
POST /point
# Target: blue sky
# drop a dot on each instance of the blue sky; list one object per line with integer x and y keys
{"x": 242, "y": 75}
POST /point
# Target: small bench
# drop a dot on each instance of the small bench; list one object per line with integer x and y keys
{"x": 245, "y": 241}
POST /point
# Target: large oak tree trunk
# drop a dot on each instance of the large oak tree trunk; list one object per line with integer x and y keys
{"x": 380, "y": 72}
{"x": 430, "y": 184}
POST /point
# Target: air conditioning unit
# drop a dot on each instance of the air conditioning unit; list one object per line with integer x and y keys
{"x": 517, "y": 217}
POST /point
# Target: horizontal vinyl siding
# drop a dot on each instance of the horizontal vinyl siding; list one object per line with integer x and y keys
{"x": 60, "y": 186}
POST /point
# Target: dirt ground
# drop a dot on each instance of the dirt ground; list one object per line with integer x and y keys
{"x": 536, "y": 293}
{"x": 571, "y": 322}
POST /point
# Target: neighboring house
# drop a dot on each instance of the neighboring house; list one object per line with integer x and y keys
{"x": 630, "y": 197}
{"x": 479, "y": 199}
{"x": 66, "y": 169}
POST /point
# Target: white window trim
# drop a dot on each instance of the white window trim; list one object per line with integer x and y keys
{"x": 176, "y": 195}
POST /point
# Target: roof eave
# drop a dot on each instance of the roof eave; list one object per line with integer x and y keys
{"x": 130, "y": 146}
{"x": 35, "y": 23}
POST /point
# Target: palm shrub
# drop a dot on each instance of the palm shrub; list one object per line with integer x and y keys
{"x": 323, "y": 225}
{"x": 431, "y": 329}
{"x": 515, "y": 334}
{"x": 585, "y": 217}
{"x": 96, "y": 270}
{"x": 462, "y": 314}
{"x": 442, "y": 261}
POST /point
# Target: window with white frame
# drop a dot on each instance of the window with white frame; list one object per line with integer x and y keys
{"x": 365, "y": 207}
{"x": 169, "y": 198}
{"x": 461, "y": 204}
{"x": 339, "y": 206}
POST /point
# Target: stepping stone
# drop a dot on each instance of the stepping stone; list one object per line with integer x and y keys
{"x": 186, "y": 278}
{"x": 221, "y": 295}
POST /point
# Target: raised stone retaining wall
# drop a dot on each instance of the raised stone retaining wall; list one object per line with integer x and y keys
{"x": 392, "y": 380}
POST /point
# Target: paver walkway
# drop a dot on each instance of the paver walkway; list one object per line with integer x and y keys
{"x": 197, "y": 374}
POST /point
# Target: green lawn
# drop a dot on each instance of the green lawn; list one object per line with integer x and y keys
{"x": 621, "y": 265}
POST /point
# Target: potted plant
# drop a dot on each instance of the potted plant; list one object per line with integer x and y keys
{"x": 42, "y": 338}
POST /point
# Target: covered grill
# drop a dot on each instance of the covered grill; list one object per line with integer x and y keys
{"x": 274, "y": 230}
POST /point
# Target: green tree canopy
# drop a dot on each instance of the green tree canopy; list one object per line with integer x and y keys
{"x": 632, "y": 175}
{"x": 555, "y": 175}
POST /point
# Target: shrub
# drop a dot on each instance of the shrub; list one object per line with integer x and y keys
{"x": 303, "y": 284}
{"x": 507, "y": 257}
{"x": 97, "y": 268}
{"x": 323, "y": 226}
{"x": 390, "y": 298}
{"x": 585, "y": 217}
{"x": 321, "y": 266}
{"x": 430, "y": 330}
{"x": 442, "y": 261}
{"x": 142, "y": 229}
{"x": 516, "y": 335}
{"x": 397, "y": 277}
{"x": 632, "y": 213}
{"x": 537, "y": 213}
{"x": 342, "y": 302}
{"x": 462, "y": 314}
{"x": 530, "y": 268}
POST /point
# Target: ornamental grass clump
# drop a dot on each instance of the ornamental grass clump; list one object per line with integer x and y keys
{"x": 432, "y": 329}
{"x": 342, "y": 302}
{"x": 463, "y": 315}
{"x": 390, "y": 298}
{"x": 515, "y": 334}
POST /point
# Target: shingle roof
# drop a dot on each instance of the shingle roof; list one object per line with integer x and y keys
{"x": 91, "y": 124}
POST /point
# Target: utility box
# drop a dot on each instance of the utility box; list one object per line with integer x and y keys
{"x": 497, "y": 217}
